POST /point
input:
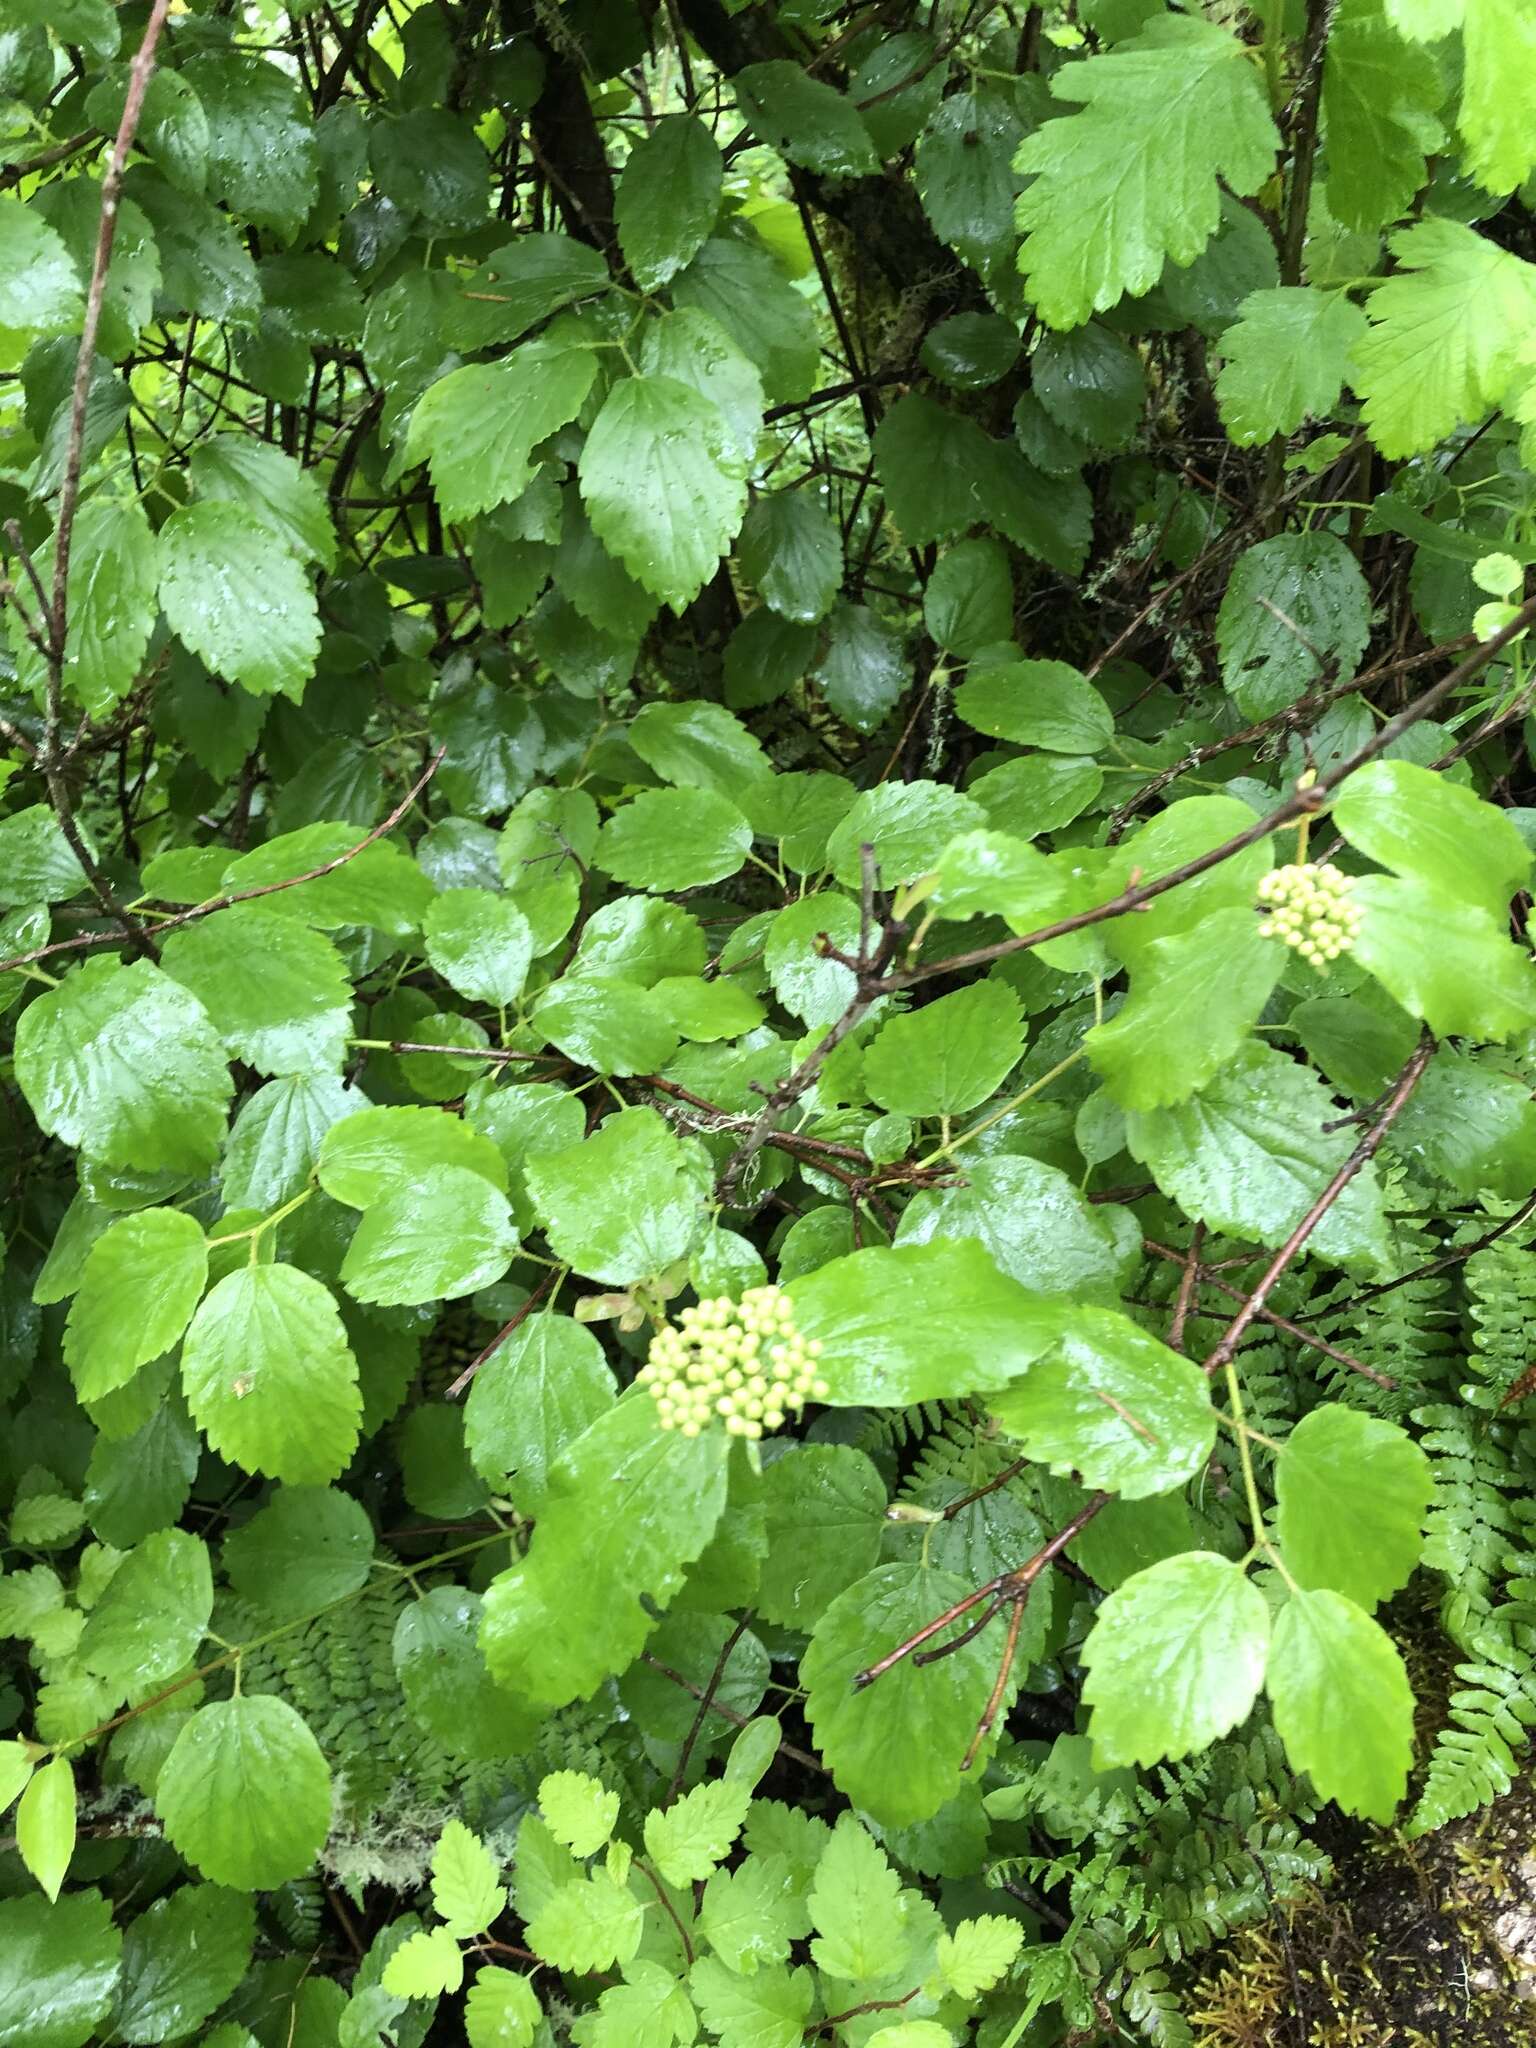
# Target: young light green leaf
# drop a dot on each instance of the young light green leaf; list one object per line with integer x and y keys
{"x": 1287, "y": 356}
{"x": 16, "y": 1765}
{"x": 501, "y": 2010}
{"x": 1342, "y": 1703}
{"x": 1443, "y": 958}
{"x": 978, "y": 1953}
{"x": 270, "y": 1377}
{"x": 857, "y": 1907}
{"x": 236, "y": 598}
{"x": 279, "y": 994}
{"x": 425, "y": 1965}
{"x": 580, "y": 1812}
{"x": 1132, "y": 180}
{"x": 769, "y": 2009}
{"x": 1175, "y": 1658}
{"x": 245, "y": 1794}
{"x": 532, "y": 1397}
{"x": 1380, "y": 98}
{"x": 45, "y": 1824}
{"x": 464, "y": 1887}
{"x": 593, "y": 1924}
{"x": 143, "y": 1278}
{"x": 688, "y": 1838}
{"x": 377, "y": 1153}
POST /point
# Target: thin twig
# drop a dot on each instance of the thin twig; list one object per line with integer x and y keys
{"x": 500, "y": 1338}
{"x": 706, "y": 1701}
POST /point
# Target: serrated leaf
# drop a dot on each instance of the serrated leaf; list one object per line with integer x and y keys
{"x": 425, "y": 1965}
{"x": 856, "y": 1907}
{"x": 1113, "y": 1406}
{"x": 1342, "y": 1703}
{"x": 245, "y": 1794}
{"x": 555, "y": 1626}
{"x": 1132, "y": 181}
{"x": 446, "y": 1684}
{"x": 824, "y": 1506}
{"x": 270, "y": 1377}
{"x": 124, "y": 1064}
{"x": 478, "y": 426}
{"x": 743, "y": 288}
{"x": 662, "y": 485}
{"x": 39, "y": 285}
{"x": 1448, "y": 335}
{"x": 501, "y": 2010}
{"x": 791, "y": 549}
{"x": 1380, "y": 96}
{"x": 688, "y": 1838}
{"x": 950, "y": 1055}
{"x": 237, "y": 599}
{"x": 377, "y": 1153}
{"x": 112, "y": 603}
{"x": 669, "y": 839}
{"x": 535, "y": 1394}
{"x": 769, "y": 2009}
{"x": 182, "y": 1959}
{"x": 1443, "y": 958}
{"x": 278, "y": 993}
{"x": 1287, "y": 356}
{"x": 1351, "y": 1494}
{"x": 578, "y": 1810}
{"x": 448, "y": 1234}
{"x": 805, "y": 119}
{"x": 464, "y": 1887}
{"x": 592, "y": 1924}
{"x": 667, "y": 199}
{"x": 59, "y": 1969}
{"x": 1037, "y": 704}
{"x": 276, "y": 1138}
{"x": 142, "y": 1280}
{"x": 1296, "y": 613}
{"x": 625, "y": 1203}
{"x": 269, "y": 486}
{"x": 1423, "y": 826}
{"x": 45, "y": 1824}
{"x": 926, "y": 1713}
{"x": 480, "y": 943}
{"x": 150, "y": 1620}
{"x": 307, "y": 1548}
{"x": 978, "y": 1953}
{"x": 37, "y": 863}
{"x": 1175, "y": 1658}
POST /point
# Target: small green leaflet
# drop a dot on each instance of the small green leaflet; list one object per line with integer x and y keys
{"x": 1287, "y": 357}
{"x": 464, "y": 1887}
{"x": 688, "y": 1838}
{"x": 578, "y": 1810}
{"x": 45, "y": 1824}
{"x": 857, "y": 1907}
{"x": 501, "y": 2010}
{"x": 424, "y": 1966}
{"x": 667, "y": 199}
{"x": 143, "y": 1278}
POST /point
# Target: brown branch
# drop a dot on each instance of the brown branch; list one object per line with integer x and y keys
{"x": 671, "y": 1911}
{"x": 853, "y": 2012}
{"x": 500, "y": 1338}
{"x": 1299, "y": 1331}
{"x": 799, "y": 1756}
{"x": 706, "y": 1701}
{"x": 1440, "y": 1265}
{"x": 1189, "y": 1279}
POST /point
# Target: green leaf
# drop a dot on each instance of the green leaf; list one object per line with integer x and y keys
{"x": 39, "y": 864}
{"x": 926, "y": 1322}
{"x": 927, "y": 1714}
{"x": 625, "y": 1203}
{"x": 464, "y": 1887}
{"x": 1443, "y": 958}
{"x": 971, "y": 351}
{"x": 569, "y": 1614}
{"x": 769, "y": 2009}
{"x": 1297, "y": 612}
{"x": 700, "y": 746}
{"x": 593, "y": 1924}
{"x": 124, "y": 1064}
{"x": 478, "y": 426}
{"x": 1498, "y": 98}
{"x": 182, "y": 1959}
{"x": 950, "y": 1055}
{"x": 1447, "y": 335}
{"x": 1351, "y": 1495}
{"x": 805, "y": 119}
{"x": 578, "y": 1810}
{"x": 518, "y": 286}
{"x": 978, "y": 1954}
{"x": 1342, "y": 1703}
{"x": 966, "y": 180}
{"x": 381, "y": 886}
{"x": 1037, "y": 704}
{"x": 270, "y": 1377}
{"x": 425, "y": 1965}
{"x": 143, "y": 1278}
{"x": 968, "y": 602}
{"x": 688, "y": 1838}
{"x": 747, "y": 1916}
{"x": 39, "y": 285}
{"x": 1287, "y": 357}
{"x": 45, "y": 1824}
{"x": 501, "y": 2010}
{"x": 690, "y": 347}
{"x": 448, "y": 1234}
{"x": 431, "y": 163}
{"x": 447, "y": 1687}
{"x": 825, "y": 1516}
{"x": 114, "y": 575}
{"x": 791, "y": 549}
{"x": 1092, "y": 385}
{"x": 245, "y": 1794}
{"x": 309, "y": 1547}
{"x": 532, "y": 1397}
{"x": 377, "y": 1153}
{"x": 661, "y": 485}
{"x": 279, "y": 994}
{"x": 1113, "y": 1406}
{"x": 262, "y": 157}
{"x": 1194, "y": 998}
{"x": 236, "y": 598}
{"x": 907, "y": 823}
{"x": 59, "y": 1970}
{"x": 862, "y": 671}
{"x": 267, "y": 485}
{"x": 1469, "y": 1124}
{"x": 1380, "y": 96}
{"x": 15, "y": 1769}
{"x": 1132, "y": 180}
{"x": 1429, "y": 829}
{"x": 669, "y": 839}
{"x": 667, "y": 199}
{"x": 149, "y": 1622}
{"x": 857, "y": 1906}
{"x": 608, "y": 1023}
{"x": 743, "y": 288}
{"x": 1175, "y": 1658}
{"x": 276, "y": 1138}
{"x": 1031, "y": 1219}
{"x": 1248, "y": 1154}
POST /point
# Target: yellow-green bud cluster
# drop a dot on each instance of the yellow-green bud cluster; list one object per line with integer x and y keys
{"x": 1310, "y": 907}
{"x": 739, "y": 1362}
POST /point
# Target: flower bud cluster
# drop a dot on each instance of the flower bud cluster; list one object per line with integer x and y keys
{"x": 743, "y": 1362}
{"x": 1311, "y": 909}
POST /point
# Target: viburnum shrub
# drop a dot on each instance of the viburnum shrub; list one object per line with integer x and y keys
{"x": 767, "y": 1166}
